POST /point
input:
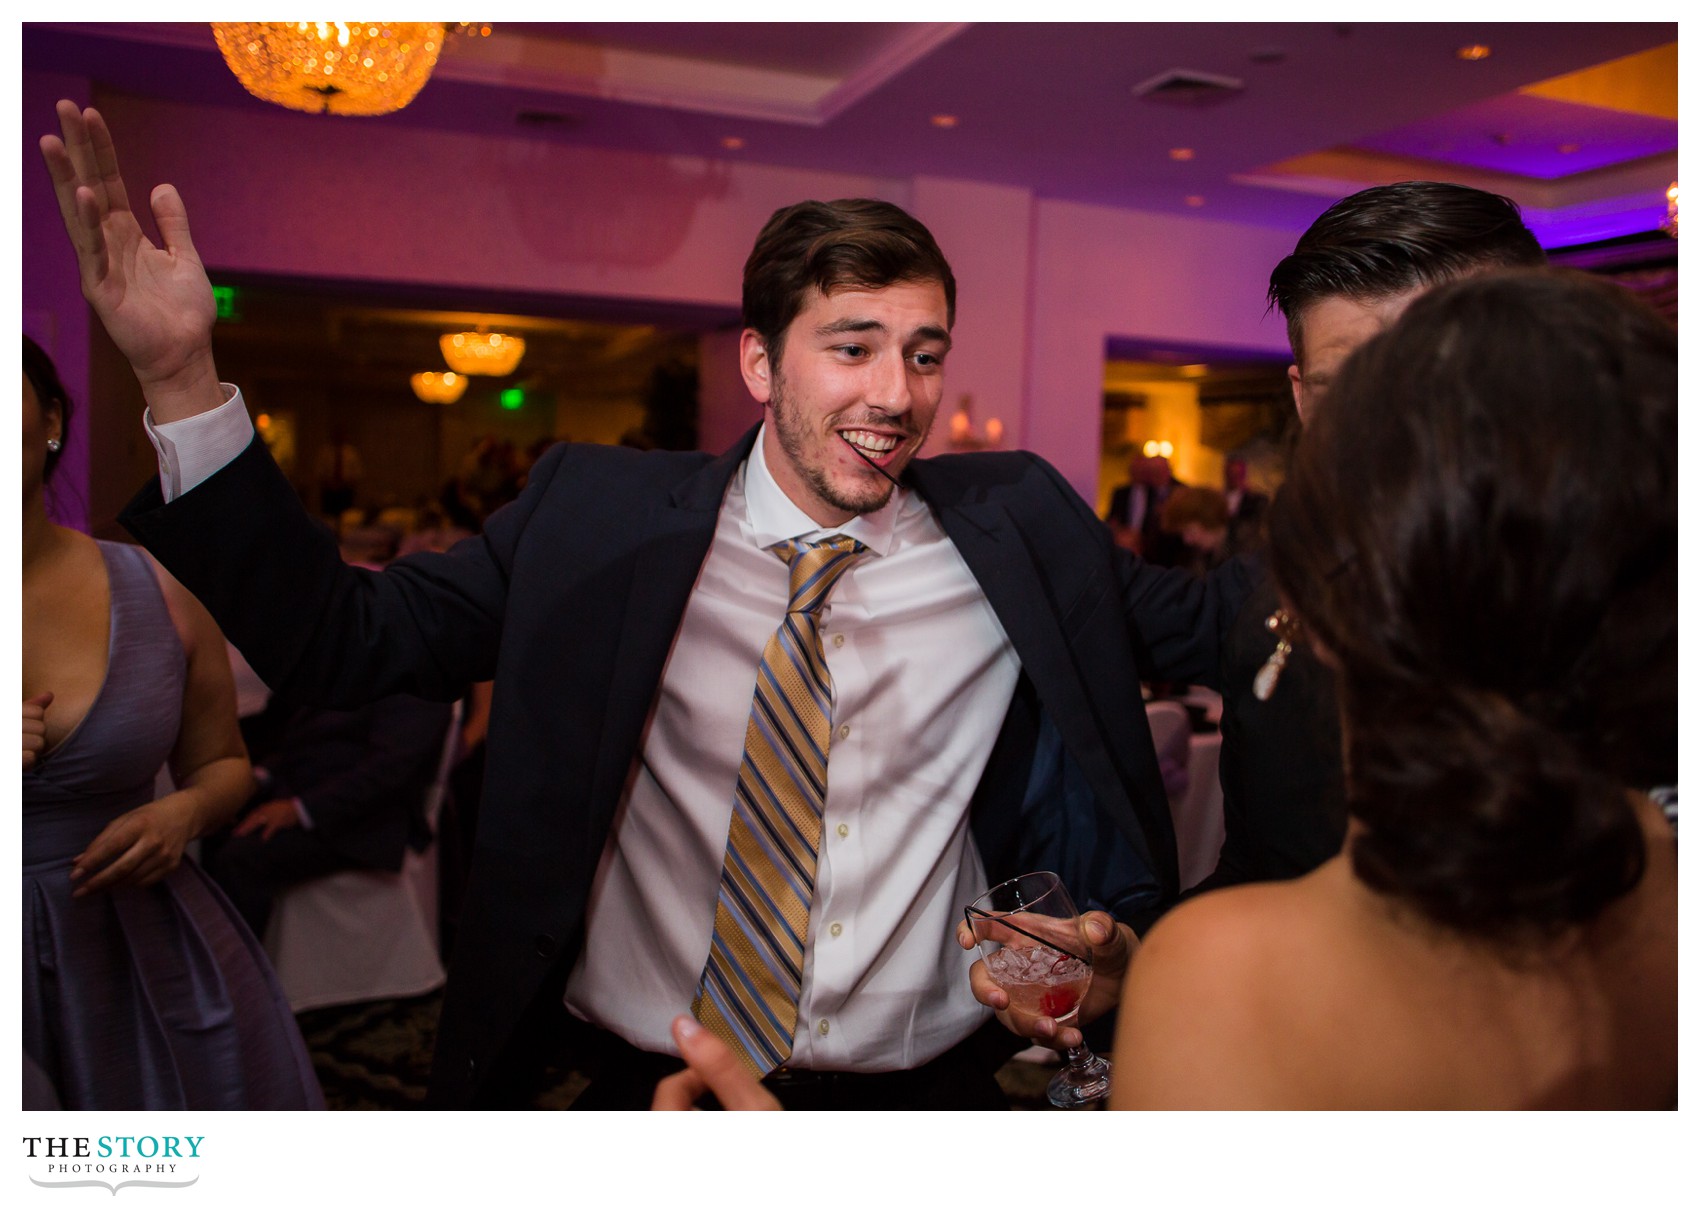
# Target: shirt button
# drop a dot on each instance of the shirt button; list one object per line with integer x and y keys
{"x": 822, "y": 1027}
{"x": 843, "y": 731}
{"x": 844, "y": 831}
{"x": 838, "y": 640}
{"x": 837, "y": 929}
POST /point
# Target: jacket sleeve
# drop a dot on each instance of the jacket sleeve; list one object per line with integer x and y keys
{"x": 315, "y": 629}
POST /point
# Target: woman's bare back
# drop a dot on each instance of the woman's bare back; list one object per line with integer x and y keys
{"x": 1321, "y": 993}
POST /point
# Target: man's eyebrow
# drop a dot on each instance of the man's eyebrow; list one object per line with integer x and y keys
{"x": 932, "y": 332}
{"x": 851, "y": 324}
{"x": 855, "y": 324}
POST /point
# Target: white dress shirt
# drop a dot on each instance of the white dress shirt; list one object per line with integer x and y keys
{"x": 922, "y": 675}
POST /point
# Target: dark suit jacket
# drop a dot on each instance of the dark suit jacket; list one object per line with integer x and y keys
{"x": 362, "y": 774}
{"x": 1283, "y": 794}
{"x": 570, "y": 600}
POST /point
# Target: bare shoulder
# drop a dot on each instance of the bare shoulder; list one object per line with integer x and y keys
{"x": 1218, "y": 997}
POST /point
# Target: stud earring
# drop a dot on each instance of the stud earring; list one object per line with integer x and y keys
{"x": 53, "y": 445}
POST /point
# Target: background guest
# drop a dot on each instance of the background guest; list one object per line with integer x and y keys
{"x": 1199, "y": 516}
{"x": 1136, "y": 511}
{"x": 337, "y": 790}
{"x": 1245, "y": 508}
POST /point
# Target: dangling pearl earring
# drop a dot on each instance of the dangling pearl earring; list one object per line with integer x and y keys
{"x": 53, "y": 445}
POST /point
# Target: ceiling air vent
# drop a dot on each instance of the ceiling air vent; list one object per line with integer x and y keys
{"x": 1192, "y": 90}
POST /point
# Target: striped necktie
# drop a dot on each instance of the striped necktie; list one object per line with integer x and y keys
{"x": 754, "y": 975}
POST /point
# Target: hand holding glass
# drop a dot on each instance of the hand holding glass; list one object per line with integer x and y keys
{"x": 1030, "y": 937}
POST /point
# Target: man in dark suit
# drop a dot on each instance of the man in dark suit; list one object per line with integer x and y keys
{"x": 338, "y": 791}
{"x": 1135, "y": 515}
{"x": 1352, "y": 273}
{"x": 1246, "y": 507}
{"x": 977, "y": 660}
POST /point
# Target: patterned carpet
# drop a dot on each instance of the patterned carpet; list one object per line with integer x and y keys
{"x": 376, "y": 1056}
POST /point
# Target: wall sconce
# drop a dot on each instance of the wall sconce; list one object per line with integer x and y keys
{"x": 965, "y": 435}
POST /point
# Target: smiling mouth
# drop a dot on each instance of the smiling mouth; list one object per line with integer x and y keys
{"x": 871, "y": 445}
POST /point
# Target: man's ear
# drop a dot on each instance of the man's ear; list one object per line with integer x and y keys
{"x": 756, "y": 366}
{"x": 1296, "y": 380}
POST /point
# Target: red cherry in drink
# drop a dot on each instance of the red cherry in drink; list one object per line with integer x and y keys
{"x": 1057, "y": 1002}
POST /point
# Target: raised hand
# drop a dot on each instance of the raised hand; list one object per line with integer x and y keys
{"x": 155, "y": 303}
{"x": 35, "y": 727}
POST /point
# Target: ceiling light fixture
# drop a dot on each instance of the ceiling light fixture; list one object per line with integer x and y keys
{"x": 332, "y": 67}
{"x": 438, "y": 387}
{"x": 944, "y": 120}
{"x": 481, "y": 353}
{"x": 732, "y": 143}
{"x": 1180, "y": 153}
{"x": 1195, "y": 200}
{"x": 1475, "y": 51}
{"x": 1669, "y": 225}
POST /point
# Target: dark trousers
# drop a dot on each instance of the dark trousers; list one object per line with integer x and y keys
{"x": 623, "y": 1078}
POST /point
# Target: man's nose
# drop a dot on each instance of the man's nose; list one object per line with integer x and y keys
{"x": 888, "y": 388}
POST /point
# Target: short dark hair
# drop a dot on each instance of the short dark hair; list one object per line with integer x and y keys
{"x": 51, "y": 392}
{"x": 1389, "y": 239}
{"x": 1204, "y": 506}
{"x": 1480, "y": 533}
{"x": 860, "y": 242}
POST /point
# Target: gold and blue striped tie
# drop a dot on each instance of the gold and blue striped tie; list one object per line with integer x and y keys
{"x": 754, "y": 975}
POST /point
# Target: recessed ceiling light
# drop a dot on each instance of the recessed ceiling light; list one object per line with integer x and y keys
{"x": 1569, "y": 149}
{"x": 1195, "y": 199}
{"x": 1474, "y": 51}
{"x": 945, "y": 120}
{"x": 731, "y": 143}
{"x": 1180, "y": 153}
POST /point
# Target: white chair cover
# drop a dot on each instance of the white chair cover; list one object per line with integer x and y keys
{"x": 357, "y": 936}
{"x": 1199, "y": 827}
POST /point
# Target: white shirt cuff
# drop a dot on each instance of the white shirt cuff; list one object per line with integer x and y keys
{"x": 192, "y": 450}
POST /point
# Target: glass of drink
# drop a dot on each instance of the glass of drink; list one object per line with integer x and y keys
{"x": 1030, "y": 938}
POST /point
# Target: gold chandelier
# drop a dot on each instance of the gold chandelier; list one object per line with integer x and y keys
{"x": 482, "y": 353}
{"x": 438, "y": 387}
{"x": 332, "y": 67}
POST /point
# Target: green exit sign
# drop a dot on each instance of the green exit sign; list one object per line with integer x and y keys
{"x": 513, "y": 398}
{"x": 224, "y": 303}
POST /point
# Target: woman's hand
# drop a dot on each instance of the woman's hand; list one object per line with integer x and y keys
{"x": 139, "y": 848}
{"x": 35, "y": 727}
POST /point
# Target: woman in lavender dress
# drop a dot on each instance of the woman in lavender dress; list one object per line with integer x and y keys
{"x": 141, "y": 988}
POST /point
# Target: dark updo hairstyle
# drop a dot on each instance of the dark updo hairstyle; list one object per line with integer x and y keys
{"x": 853, "y": 242}
{"x": 38, "y": 367}
{"x": 1479, "y": 532}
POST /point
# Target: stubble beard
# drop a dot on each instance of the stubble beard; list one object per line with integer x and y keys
{"x": 870, "y": 494}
